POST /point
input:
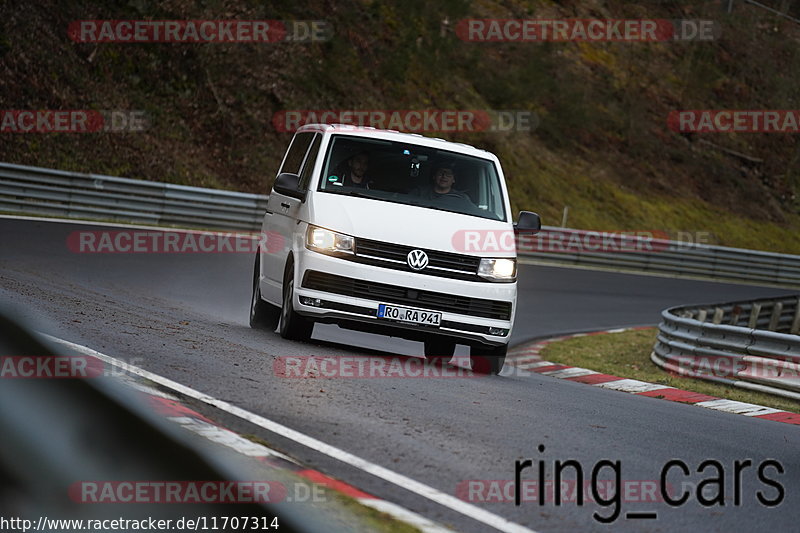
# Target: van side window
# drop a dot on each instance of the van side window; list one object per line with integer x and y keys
{"x": 311, "y": 158}
{"x": 296, "y": 154}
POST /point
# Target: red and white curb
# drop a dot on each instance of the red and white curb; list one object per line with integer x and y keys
{"x": 528, "y": 357}
{"x": 390, "y": 477}
{"x": 171, "y": 408}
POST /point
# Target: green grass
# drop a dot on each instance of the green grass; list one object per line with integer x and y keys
{"x": 627, "y": 355}
{"x": 600, "y": 204}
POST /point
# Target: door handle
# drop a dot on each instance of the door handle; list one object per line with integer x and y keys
{"x": 284, "y": 204}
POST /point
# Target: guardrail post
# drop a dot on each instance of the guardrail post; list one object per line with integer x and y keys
{"x": 754, "y": 312}
{"x": 795, "y": 328}
{"x": 735, "y": 314}
{"x": 776, "y": 315}
{"x": 718, "y": 314}
{"x": 701, "y": 315}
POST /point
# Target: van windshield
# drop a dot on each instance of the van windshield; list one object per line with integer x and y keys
{"x": 413, "y": 175}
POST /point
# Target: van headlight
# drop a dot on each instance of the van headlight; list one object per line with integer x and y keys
{"x": 328, "y": 242}
{"x": 503, "y": 269}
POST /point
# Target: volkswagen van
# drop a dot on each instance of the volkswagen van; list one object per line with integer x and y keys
{"x": 373, "y": 226}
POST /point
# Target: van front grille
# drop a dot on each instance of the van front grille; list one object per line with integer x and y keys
{"x": 442, "y": 264}
{"x": 394, "y": 294}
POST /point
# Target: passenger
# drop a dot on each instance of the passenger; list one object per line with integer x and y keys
{"x": 355, "y": 175}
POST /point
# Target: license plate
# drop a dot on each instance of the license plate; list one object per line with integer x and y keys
{"x": 405, "y": 314}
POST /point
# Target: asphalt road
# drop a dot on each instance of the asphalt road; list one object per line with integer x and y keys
{"x": 184, "y": 317}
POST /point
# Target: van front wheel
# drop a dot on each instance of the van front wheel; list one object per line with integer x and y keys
{"x": 488, "y": 360}
{"x": 263, "y": 315}
{"x": 293, "y": 326}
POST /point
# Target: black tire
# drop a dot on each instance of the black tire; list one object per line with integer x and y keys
{"x": 293, "y": 326}
{"x": 439, "y": 351}
{"x": 488, "y": 360}
{"x": 263, "y": 315}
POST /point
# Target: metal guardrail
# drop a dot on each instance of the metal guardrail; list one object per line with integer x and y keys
{"x": 640, "y": 254}
{"x": 37, "y": 190}
{"x": 58, "y": 432}
{"x": 72, "y": 194}
{"x": 749, "y": 344}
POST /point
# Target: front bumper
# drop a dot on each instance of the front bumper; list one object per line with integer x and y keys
{"x": 358, "y": 310}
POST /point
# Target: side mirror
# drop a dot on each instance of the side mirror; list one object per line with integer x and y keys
{"x": 529, "y": 222}
{"x": 289, "y": 184}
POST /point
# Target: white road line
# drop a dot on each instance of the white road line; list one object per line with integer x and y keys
{"x": 227, "y": 438}
{"x": 446, "y": 500}
{"x": 145, "y": 389}
{"x": 534, "y": 364}
{"x": 238, "y": 443}
{"x": 741, "y": 408}
{"x": 631, "y": 385}
{"x": 565, "y": 373}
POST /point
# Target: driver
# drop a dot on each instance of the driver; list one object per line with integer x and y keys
{"x": 442, "y": 181}
{"x": 356, "y": 173}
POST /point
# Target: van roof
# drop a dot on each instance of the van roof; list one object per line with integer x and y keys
{"x": 394, "y": 135}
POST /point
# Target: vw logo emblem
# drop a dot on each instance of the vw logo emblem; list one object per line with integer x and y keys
{"x": 417, "y": 259}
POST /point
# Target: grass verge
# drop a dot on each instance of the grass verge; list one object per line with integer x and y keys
{"x": 627, "y": 355}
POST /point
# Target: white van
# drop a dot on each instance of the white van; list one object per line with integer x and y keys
{"x": 373, "y": 223}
